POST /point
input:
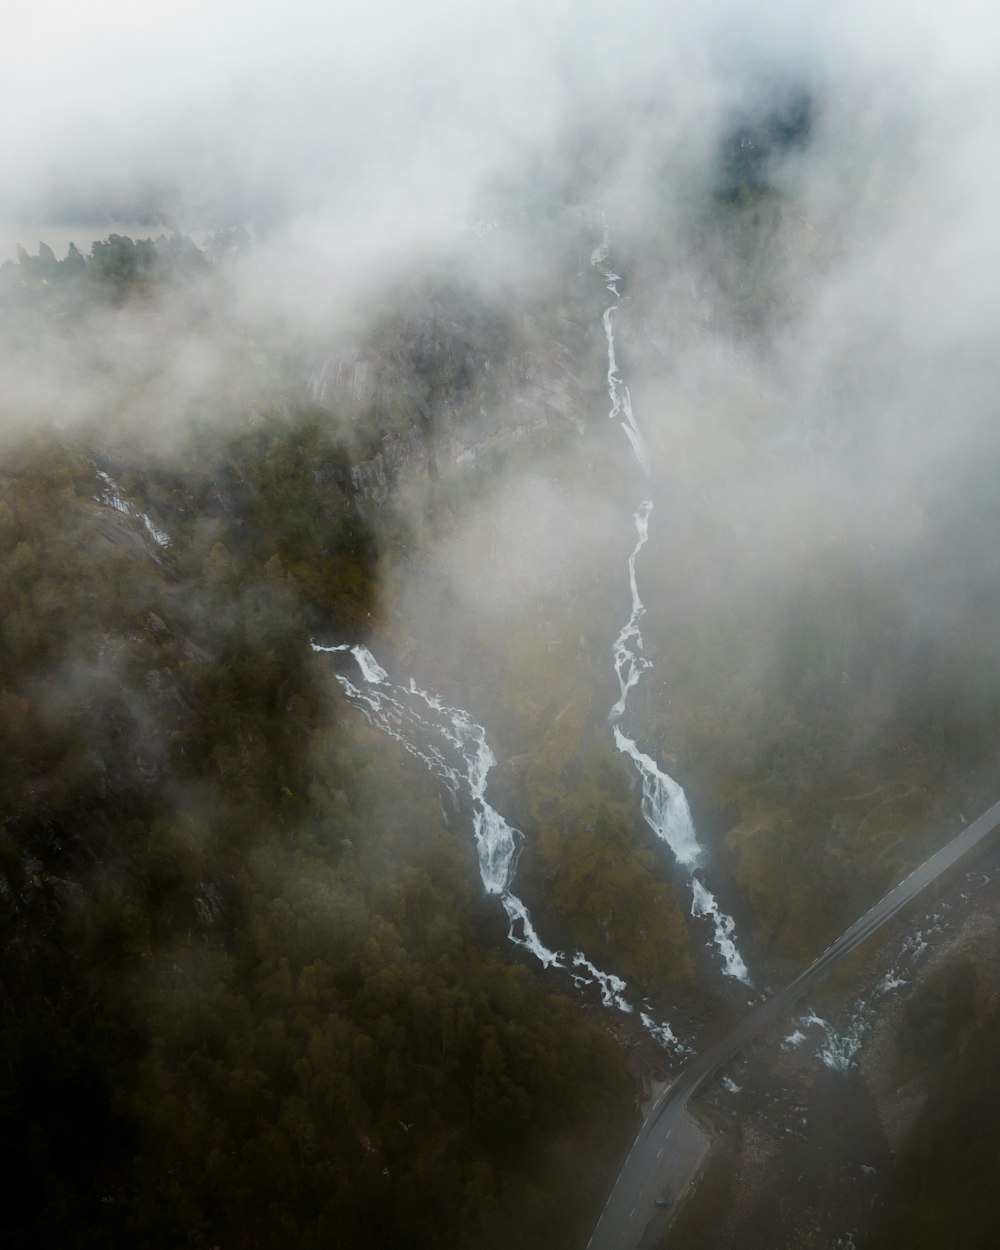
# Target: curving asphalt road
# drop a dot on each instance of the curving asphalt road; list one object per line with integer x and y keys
{"x": 630, "y": 1205}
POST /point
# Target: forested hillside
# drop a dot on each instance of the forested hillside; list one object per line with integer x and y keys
{"x": 251, "y": 993}
{"x": 556, "y": 362}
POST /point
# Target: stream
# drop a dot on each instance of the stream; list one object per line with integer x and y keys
{"x": 664, "y": 805}
{"x": 453, "y": 747}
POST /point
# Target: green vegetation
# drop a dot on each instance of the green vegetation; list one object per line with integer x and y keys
{"x": 252, "y": 994}
{"x": 693, "y": 1227}
{"x": 942, "y": 1191}
{"x": 837, "y": 744}
{"x": 116, "y": 268}
{"x": 937, "y": 1016}
{"x": 602, "y": 879}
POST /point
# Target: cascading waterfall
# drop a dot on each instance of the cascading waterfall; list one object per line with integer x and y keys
{"x": 453, "y": 747}
{"x": 839, "y": 1047}
{"x": 621, "y": 400}
{"x": 112, "y": 497}
{"x": 664, "y": 804}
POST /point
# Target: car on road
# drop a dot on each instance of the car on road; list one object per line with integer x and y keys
{"x": 663, "y": 1202}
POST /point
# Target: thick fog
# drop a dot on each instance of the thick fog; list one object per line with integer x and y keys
{"x": 499, "y": 525}
{"x": 355, "y": 142}
{"x": 809, "y": 372}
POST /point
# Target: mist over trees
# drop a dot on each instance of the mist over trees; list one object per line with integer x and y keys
{"x": 349, "y": 384}
{"x": 250, "y": 989}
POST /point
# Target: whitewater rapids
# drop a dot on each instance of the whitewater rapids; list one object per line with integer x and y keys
{"x": 454, "y": 748}
{"x": 664, "y": 803}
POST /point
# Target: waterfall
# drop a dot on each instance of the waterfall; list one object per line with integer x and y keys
{"x": 111, "y": 496}
{"x": 664, "y": 804}
{"x": 451, "y": 745}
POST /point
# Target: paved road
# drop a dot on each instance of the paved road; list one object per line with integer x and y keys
{"x": 630, "y": 1206}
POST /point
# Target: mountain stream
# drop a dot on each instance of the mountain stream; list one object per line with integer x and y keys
{"x": 452, "y": 746}
{"x": 664, "y": 804}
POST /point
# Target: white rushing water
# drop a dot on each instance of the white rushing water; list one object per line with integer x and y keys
{"x": 664, "y": 803}
{"x": 627, "y": 649}
{"x": 838, "y": 1048}
{"x": 663, "y": 1034}
{"x": 621, "y": 400}
{"x": 723, "y": 929}
{"x": 112, "y": 497}
{"x": 453, "y": 747}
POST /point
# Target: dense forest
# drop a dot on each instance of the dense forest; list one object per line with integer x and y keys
{"x": 251, "y": 993}
{"x": 498, "y": 513}
{"x": 252, "y": 990}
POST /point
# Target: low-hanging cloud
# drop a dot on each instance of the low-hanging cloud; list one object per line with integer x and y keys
{"x": 359, "y": 144}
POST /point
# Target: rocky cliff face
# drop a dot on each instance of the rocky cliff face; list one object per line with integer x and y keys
{"x": 371, "y": 479}
{"x": 449, "y": 378}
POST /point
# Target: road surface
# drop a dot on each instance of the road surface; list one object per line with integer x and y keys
{"x": 630, "y": 1205}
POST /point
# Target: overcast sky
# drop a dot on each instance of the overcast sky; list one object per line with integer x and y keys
{"x": 229, "y": 107}
{"x": 356, "y": 141}
{"x": 362, "y": 136}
